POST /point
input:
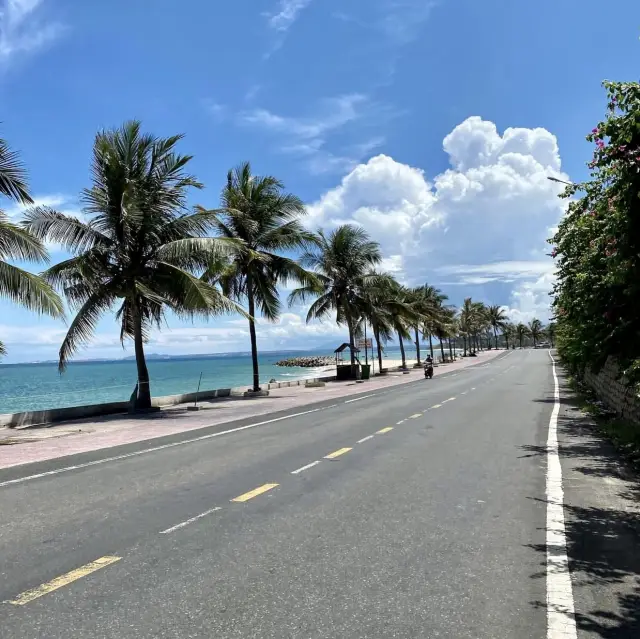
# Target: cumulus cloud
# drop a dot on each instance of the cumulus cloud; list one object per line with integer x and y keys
{"x": 485, "y": 219}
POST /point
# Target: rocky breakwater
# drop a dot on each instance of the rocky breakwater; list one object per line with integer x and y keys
{"x": 307, "y": 362}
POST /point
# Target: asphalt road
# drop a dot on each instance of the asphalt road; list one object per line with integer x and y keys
{"x": 430, "y": 528}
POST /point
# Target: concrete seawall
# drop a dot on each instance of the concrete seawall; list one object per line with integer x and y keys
{"x": 56, "y": 415}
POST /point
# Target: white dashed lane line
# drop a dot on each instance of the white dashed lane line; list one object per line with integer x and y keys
{"x": 190, "y": 521}
{"x": 358, "y": 399}
{"x": 303, "y": 468}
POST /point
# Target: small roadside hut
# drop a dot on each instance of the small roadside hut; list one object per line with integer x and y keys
{"x": 344, "y": 369}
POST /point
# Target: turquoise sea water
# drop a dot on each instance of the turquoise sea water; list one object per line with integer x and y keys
{"x": 39, "y": 386}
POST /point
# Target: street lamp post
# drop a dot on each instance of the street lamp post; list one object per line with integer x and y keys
{"x": 555, "y": 179}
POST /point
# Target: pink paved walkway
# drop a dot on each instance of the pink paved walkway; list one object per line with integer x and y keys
{"x": 86, "y": 435}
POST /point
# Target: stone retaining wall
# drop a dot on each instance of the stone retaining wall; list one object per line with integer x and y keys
{"x": 614, "y": 392}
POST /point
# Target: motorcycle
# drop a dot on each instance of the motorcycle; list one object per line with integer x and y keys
{"x": 428, "y": 371}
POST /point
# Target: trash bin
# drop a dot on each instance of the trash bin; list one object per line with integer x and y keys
{"x": 366, "y": 371}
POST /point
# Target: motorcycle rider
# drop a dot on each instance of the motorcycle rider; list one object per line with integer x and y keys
{"x": 428, "y": 365}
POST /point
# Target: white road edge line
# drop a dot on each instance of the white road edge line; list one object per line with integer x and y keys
{"x": 190, "y": 521}
{"x": 365, "y": 439}
{"x": 311, "y": 465}
{"x": 154, "y": 449}
{"x": 357, "y": 399}
{"x": 561, "y": 622}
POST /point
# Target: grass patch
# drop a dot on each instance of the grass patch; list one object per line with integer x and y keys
{"x": 624, "y": 433}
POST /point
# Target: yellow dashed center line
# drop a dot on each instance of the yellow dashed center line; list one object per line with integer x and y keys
{"x": 416, "y": 416}
{"x": 63, "y": 580}
{"x": 382, "y": 431}
{"x": 255, "y": 492}
{"x": 337, "y": 453}
{"x": 448, "y": 400}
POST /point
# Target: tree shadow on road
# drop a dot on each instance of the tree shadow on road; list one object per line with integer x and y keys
{"x": 603, "y": 540}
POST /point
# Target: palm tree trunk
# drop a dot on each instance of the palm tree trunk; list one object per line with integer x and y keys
{"x": 252, "y": 335}
{"x": 450, "y": 350}
{"x": 464, "y": 342}
{"x": 441, "y": 348}
{"x": 143, "y": 398}
{"x": 377, "y": 336}
{"x": 495, "y": 334}
{"x": 351, "y": 340}
{"x": 431, "y": 345}
{"x": 404, "y": 359}
{"x": 417, "y": 344}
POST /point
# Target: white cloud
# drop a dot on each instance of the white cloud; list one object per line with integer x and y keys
{"x": 286, "y": 14}
{"x": 334, "y": 114}
{"x": 532, "y": 299}
{"x": 306, "y": 136}
{"x": 497, "y": 271}
{"x": 281, "y": 20}
{"x": 402, "y": 20}
{"x": 22, "y": 30}
{"x": 60, "y": 202}
{"x": 484, "y": 220}
{"x": 56, "y": 201}
{"x": 217, "y": 110}
{"x": 392, "y": 200}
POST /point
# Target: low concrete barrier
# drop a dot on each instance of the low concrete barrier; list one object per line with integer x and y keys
{"x": 54, "y": 415}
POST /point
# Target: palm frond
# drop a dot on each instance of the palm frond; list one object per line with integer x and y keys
{"x": 84, "y": 324}
{"x": 29, "y": 290}
{"x": 188, "y": 295}
{"x": 13, "y": 175}
{"x": 69, "y": 232}
{"x": 19, "y": 244}
{"x": 197, "y": 252}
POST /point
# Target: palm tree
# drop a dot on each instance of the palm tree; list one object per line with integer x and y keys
{"x": 139, "y": 245}
{"x": 403, "y": 315}
{"x": 342, "y": 262}
{"x": 470, "y": 322}
{"x": 431, "y": 308}
{"x": 509, "y": 331}
{"x": 551, "y": 333}
{"x": 535, "y": 330}
{"x": 374, "y": 310}
{"x": 521, "y": 332}
{"x": 497, "y": 319}
{"x": 480, "y": 322}
{"x": 16, "y": 243}
{"x": 257, "y": 213}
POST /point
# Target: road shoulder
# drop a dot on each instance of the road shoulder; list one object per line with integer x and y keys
{"x": 602, "y": 512}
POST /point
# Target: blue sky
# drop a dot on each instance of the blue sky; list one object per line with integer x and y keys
{"x": 434, "y": 124}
